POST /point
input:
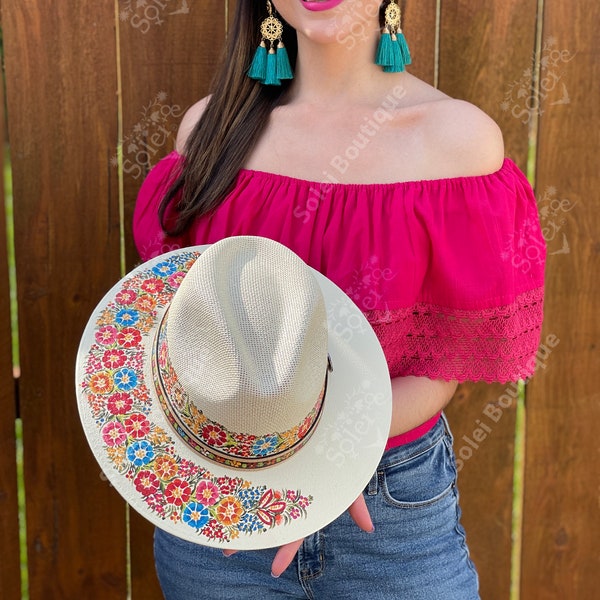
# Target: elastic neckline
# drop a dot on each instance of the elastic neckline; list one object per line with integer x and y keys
{"x": 506, "y": 165}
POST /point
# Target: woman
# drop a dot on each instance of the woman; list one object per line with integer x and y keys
{"x": 403, "y": 197}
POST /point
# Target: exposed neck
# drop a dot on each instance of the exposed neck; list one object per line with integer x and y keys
{"x": 336, "y": 73}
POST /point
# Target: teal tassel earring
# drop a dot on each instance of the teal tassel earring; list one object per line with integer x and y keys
{"x": 270, "y": 67}
{"x": 392, "y": 53}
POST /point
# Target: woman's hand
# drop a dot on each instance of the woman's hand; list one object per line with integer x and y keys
{"x": 358, "y": 511}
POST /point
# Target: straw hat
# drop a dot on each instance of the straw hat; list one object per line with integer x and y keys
{"x": 232, "y": 395}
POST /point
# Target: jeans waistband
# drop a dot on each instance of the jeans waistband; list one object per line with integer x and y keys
{"x": 425, "y": 442}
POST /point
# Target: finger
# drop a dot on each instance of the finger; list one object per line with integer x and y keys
{"x": 360, "y": 514}
{"x": 284, "y": 557}
{"x": 229, "y": 552}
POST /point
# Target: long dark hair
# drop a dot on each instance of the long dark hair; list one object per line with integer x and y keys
{"x": 235, "y": 116}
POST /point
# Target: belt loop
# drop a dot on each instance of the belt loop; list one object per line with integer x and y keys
{"x": 373, "y": 488}
{"x": 447, "y": 427}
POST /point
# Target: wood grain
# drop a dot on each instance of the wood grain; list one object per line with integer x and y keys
{"x": 419, "y": 26}
{"x": 485, "y": 49}
{"x": 484, "y": 46}
{"x": 61, "y": 79}
{"x": 167, "y": 65}
{"x": 10, "y": 577}
{"x": 562, "y": 511}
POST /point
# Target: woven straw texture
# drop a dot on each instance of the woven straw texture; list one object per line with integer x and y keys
{"x": 262, "y": 314}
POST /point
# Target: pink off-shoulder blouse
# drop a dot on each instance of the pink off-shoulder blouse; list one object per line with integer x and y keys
{"x": 449, "y": 272}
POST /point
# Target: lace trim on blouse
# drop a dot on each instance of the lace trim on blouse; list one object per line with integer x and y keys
{"x": 495, "y": 344}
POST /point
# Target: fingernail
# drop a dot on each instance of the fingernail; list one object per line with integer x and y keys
{"x": 274, "y": 576}
{"x": 226, "y": 555}
{"x": 372, "y": 530}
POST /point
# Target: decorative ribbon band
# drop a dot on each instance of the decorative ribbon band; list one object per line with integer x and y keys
{"x": 211, "y": 439}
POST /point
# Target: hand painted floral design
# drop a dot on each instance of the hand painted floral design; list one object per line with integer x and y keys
{"x": 113, "y": 359}
{"x": 208, "y": 493}
{"x": 106, "y": 335}
{"x": 238, "y": 450}
{"x": 146, "y": 483}
{"x": 127, "y": 317}
{"x": 172, "y": 487}
{"x": 119, "y": 403}
{"x": 101, "y": 383}
{"x": 114, "y": 434}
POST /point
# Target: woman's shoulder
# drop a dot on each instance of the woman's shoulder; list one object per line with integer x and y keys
{"x": 460, "y": 138}
{"x": 467, "y": 135}
{"x": 189, "y": 121}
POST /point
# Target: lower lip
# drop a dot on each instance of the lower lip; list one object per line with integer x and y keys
{"x": 319, "y": 6}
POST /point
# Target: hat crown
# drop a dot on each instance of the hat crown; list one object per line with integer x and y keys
{"x": 247, "y": 336}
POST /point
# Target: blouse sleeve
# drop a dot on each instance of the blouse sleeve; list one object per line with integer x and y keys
{"x": 149, "y": 237}
{"x": 478, "y": 311}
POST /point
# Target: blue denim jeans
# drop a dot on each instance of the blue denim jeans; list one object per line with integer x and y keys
{"x": 417, "y": 552}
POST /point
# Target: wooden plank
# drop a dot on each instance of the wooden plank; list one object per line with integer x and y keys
{"x": 167, "y": 64}
{"x": 419, "y": 26}
{"x": 486, "y": 53}
{"x": 562, "y": 479}
{"x": 168, "y": 58}
{"x": 61, "y": 82}
{"x": 484, "y": 47}
{"x": 484, "y": 445}
{"x": 10, "y": 580}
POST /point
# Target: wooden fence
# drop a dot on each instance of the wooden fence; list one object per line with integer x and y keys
{"x": 94, "y": 92}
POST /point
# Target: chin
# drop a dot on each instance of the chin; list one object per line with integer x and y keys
{"x": 349, "y": 22}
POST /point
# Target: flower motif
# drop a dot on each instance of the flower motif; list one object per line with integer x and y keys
{"x": 178, "y": 492}
{"x": 119, "y": 403}
{"x": 125, "y": 379}
{"x": 265, "y": 445}
{"x": 140, "y": 453}
{"x": 117, "y": 456}
{"x": 207, "y": 492}
{"x": 114, "y": 358}
{"x": 305, "y": 426}
{"x": 165, "y": 467}
{"x": 250, "y": 497}
{"x": 175, "y": 279}
{"x": 146, "y": 483}
{"x": 106, "y": 335}
{"x": 303, "y": 501}
{"x": 227, "y": 485}
{"x": 270, "y": 506}
{"x": 126, "y": 297}
{"x": 153, "y": 285}
{"x": 137, "y": 426}
{"x": 101, "y": 383}
{"x": 214, "y": 530}
{"x": 129, "y": 337}
{"x": 127, "y": 317}
{"x": 145, "y": 303}
{"x": 250, "y": 523}
{"x": 164, "y": 269}
{"x": 229, "y": 511}
{"x": 114, "y": 434}
{"x": 187, "y": 468}
{"x": 214, "y": 435}
{"x": 218, "y": 508}
{"x": 195, "y": 515}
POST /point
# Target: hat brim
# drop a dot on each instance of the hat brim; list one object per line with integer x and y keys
{"x": 182, "y": 492}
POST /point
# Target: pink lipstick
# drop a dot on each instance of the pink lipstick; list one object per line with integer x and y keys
{"x": 319, "y": 5}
